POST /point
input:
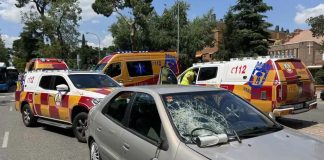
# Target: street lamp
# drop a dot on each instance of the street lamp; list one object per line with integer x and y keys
{"x": 99, "y": 43}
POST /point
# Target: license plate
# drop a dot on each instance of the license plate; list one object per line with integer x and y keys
{"x": 299, "y": 106}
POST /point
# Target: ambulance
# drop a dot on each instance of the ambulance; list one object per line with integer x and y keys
{"x": 41, "y": 64}
{"x": 137, "y": 68}
{"x": 61, "y": 98}
{"x": 45, "y": 63}
{"x": 279, "y": 86}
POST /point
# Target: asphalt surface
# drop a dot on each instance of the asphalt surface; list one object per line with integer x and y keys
{"x": 18, "y": 142}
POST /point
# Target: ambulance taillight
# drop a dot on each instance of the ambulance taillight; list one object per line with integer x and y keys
{"x": 280, "y": 89}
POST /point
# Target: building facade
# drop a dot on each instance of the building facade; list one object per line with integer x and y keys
{"x": 301, "y": 44}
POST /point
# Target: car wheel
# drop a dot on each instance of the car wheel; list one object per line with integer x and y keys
{"x": 79, "y": 126}
{"x": 94, "y": 151}
{"x": 27, "y": 116}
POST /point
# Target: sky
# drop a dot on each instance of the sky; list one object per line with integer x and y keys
{"x": 289, "y": 14}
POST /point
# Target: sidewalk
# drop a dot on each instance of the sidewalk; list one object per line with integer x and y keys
{"x": 315, "y": 130}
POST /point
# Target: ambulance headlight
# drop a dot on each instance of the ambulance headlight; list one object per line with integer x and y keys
{"x": 96, "y": 101}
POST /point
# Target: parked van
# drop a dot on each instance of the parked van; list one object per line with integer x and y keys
{"x": 279, "y": 85}
{"x": 137, "y": 68}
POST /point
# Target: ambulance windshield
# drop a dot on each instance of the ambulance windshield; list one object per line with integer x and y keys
{"x": 100, "y": 67}
{"x": 83, "y": 81}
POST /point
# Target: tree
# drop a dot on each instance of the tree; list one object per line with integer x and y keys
{"x": 53, "y": 24}
{"x": 41, "y": 5}
{"x": 319, "y": 76}
{"x": 161, "y": 33}
{"x": 246, "y": 30}
{"x": 4, "y": 54}
{"x": 139, "y": 10}
{"x": 317, "y": 24}
{"x": 277, "y": 28}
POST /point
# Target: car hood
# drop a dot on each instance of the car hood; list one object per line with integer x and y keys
{"x": 282, "y": 145}
{"x": 95, "y": 92}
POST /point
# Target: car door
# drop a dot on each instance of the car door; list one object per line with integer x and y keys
{"x": 109, "y": 123}
{"x": 167, "y": 76}
{"x": 41, "y": 95}
{"x": 140, "y": 140}
{"x": 207, "y": 75}
{"x": 58, "y": 101}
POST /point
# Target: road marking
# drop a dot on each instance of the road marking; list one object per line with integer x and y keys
{"x": 5, "y": 140}
{"x": 10, "y": 108}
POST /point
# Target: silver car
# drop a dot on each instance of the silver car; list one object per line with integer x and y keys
{"x": 190, "y": 123}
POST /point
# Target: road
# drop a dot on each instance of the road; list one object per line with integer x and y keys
{"x": 45, "y": 142}
{"x": 18, "y": 142}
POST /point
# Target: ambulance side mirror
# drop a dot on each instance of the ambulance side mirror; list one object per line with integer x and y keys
{"x": 272, "y": 116}
{"x": 62, "y": 88}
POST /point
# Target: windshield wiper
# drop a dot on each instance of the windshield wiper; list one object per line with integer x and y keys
{"x": 256, "y": 131}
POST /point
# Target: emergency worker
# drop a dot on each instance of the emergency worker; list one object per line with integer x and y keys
{"x": 188, "y": 77}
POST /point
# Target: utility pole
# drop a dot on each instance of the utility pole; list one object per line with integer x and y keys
{"x": 178, "y": 39}
{"x": 99, "y": 43}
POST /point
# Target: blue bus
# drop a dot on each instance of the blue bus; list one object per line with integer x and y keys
{"x": 4, "y": 86}
{"x": 12, "y": 76}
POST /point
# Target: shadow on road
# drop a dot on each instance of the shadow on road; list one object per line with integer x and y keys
{"x": 295, "y": 123}
{"x": 62, "y": 131}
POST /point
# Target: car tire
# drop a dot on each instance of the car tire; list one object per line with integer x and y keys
{"x": 27, "y": 116}
{"x": 94, "y": 151}
{"x": 79, "y": 126}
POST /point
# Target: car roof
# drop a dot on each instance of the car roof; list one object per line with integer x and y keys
{"x": 68, "y": 72}
{"x": 168, "y": 89}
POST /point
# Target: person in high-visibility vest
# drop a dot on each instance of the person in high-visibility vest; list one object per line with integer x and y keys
{"x": 188, "y": 78}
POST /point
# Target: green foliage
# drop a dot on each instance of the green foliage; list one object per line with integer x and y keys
{"x": 50, "y": 31}
{"x": 4, "y": 53}
{"x": 19, "y": 63}
{"x": 319, "y": 76}
{"x": 161, "y": 33}
{"x": 246, "y": 32}
{"x": 317, "y": 24}
{"x": 136, "y": 23}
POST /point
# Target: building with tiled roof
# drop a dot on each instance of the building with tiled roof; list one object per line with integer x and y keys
{"x": 301, "y": 44}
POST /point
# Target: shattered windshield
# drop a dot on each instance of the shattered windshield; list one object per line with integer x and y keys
{"x": 219, "y": 111}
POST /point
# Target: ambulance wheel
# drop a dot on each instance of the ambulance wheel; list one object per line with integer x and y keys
{"x": 27, "y": 116}
{"x": 94, "y": 151}
{"x": 79, "y": 126}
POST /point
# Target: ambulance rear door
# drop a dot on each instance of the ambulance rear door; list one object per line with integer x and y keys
{"x": 297, "y": 84}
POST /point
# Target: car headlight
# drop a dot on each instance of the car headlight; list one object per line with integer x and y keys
{"x": 96, "y": 101}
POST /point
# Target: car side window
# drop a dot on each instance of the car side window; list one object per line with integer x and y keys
{"x": 144, "y": 117}
{"x": 45, "y": 82}
{"x": 207, "y": 73}
{"x": 117, "y": 107}
{"x": 59, "y": 80}
{"x": 114, "y": 69}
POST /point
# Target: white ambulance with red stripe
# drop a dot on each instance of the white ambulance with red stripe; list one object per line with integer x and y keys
{"x": 274, "y": 85}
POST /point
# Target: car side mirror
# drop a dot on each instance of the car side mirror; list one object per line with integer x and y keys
{"x": 206, "y": 141}
{"x": 62, "y": 88}
{"x": 163, "y": 145}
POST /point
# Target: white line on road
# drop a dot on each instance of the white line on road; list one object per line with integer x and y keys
{"x": 10, "y": 108}
{"x": 5, "y": 140}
